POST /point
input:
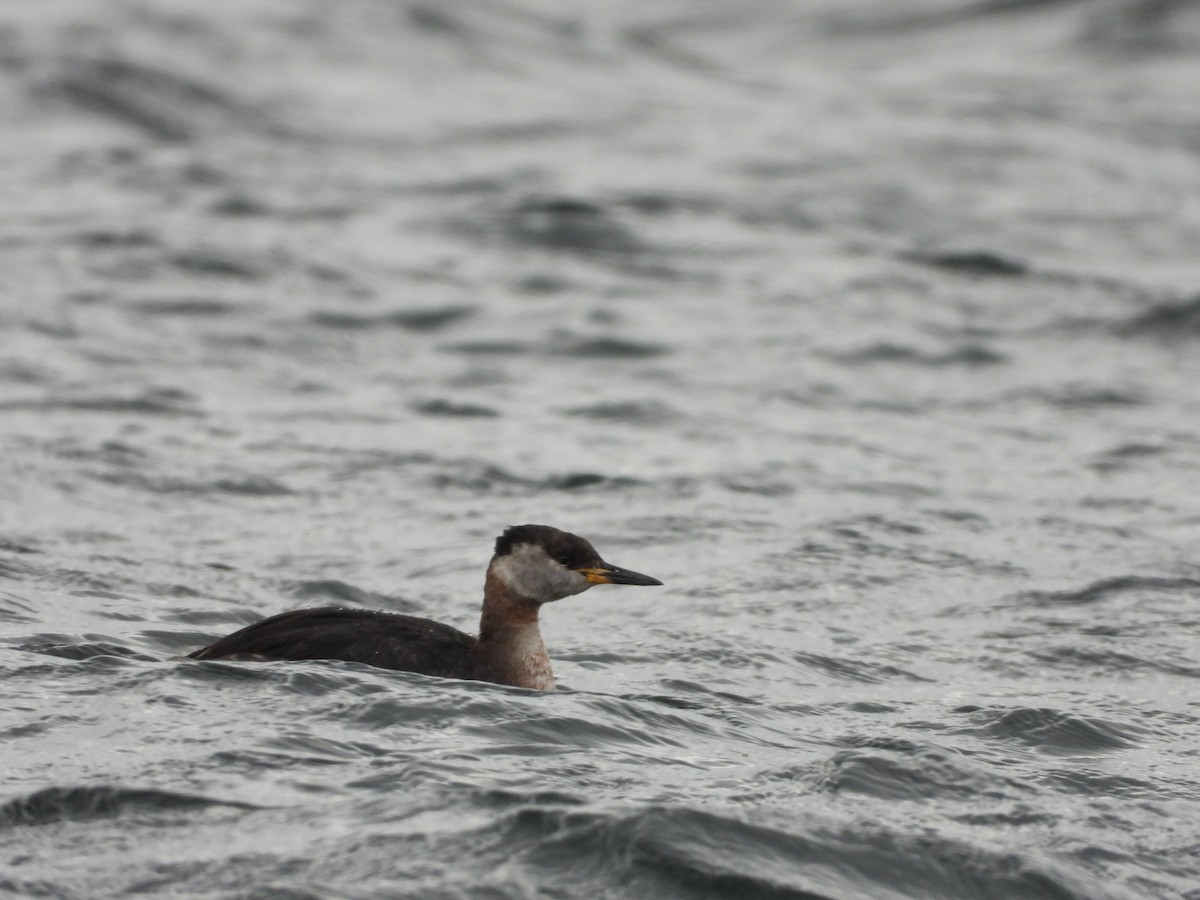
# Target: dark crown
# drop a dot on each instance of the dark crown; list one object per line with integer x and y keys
{"x": 569, "y": 549}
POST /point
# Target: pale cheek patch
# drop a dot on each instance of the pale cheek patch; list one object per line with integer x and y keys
{"x": 529, "y": 572}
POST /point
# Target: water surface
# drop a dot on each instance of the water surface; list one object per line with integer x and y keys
{"x": 870, "y": 329}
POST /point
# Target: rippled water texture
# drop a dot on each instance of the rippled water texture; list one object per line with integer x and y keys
{"x": 870, "y": 328}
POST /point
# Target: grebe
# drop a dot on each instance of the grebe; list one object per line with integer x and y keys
{"x": 532, "y": 565}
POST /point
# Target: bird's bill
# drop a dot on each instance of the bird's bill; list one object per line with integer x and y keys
{"x": 606, "y": 574}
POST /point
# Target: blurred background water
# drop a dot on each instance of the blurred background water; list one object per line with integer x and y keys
{"x": 870, "y": 328}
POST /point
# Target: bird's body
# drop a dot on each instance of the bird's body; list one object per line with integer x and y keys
{"x": 532, "y": 565}
{"x": 383, "y": 639}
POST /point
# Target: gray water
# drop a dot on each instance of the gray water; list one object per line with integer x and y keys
{"x": 869, "y": 328}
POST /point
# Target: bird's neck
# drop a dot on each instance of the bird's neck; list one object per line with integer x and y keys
{"x": 510, "y": 641}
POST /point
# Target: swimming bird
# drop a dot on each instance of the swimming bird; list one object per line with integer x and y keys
{"x": 532, "y": 565}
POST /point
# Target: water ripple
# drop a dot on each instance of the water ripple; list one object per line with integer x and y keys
{"x": 1055, "y": 730}
{"x": 82, "y": 804}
